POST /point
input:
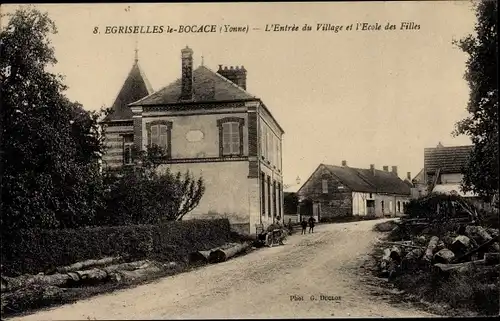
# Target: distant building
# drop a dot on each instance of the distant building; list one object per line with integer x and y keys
{"x": 418, "y": 185}
{"x": 340, "y": 191}
{"x": 444, "y": 167}
{"x": 208, "y": 124}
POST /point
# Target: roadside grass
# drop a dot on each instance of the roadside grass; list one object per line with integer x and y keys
{"x": 38, "y": 300}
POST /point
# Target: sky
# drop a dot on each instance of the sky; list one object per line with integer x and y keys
{"x": 368, "y": 97}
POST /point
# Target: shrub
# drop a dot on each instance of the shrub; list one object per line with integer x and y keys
{"x": 144, "y": 195}
{"x": 36, "y": 250}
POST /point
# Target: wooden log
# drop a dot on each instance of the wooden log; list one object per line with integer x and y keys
{"x": 129, "y": 276}
{"x": 466, "y": 267}
{"x": 448, "y": 241}
{"x": 430, "y": 248}
{"x": 492, "y": 231}
{"x": 92, "y": 275}
{"x": 396, "y": 253}
{"x": 386, "y": 259}
{"x": 221, "y": 255}
{"x": 472, "y": 252}
{"x": 26, "y": 280}
{"x": 491, "y": 258}
{"x": 403, "y": 244}
{"x": 483, "y": 235}
{"x": 126, "y": 266}
{"x": 199, "y": 256}
{"x": 27, "y": 298}
{"x": 444, "y": 256}
{"x": 414, "y": 254}
{"x": 87, "y": 264}
{"x": 460, "y": 244}
{"x": 421, "y": 240}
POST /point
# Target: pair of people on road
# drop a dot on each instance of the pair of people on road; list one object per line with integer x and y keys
{"x": 304, "y": 224}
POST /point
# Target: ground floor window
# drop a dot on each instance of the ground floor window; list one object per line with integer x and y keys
{"x": 263, "y": 193}
{"x": 269, "y": 201}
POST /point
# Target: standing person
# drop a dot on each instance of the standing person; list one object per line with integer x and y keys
{"x": 304, "y": 226}
{"x": 311, "y": 224}
{"x": 290, "y": 226}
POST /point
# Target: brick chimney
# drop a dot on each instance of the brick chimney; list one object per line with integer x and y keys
{"x": 344, "y": 163}
{"x": 187, "y": 74}
{"x": 372, "y": 168}
{"x": 385, "y": 168}
{"x": 237, "y": 75}
{"x": 395, "y": 170}
{"x": 408, "y": 176}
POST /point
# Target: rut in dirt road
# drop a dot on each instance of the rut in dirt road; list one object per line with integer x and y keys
{"x": 285, "y": 281}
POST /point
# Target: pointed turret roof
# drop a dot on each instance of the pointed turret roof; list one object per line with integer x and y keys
{"x": 135, "y": 87}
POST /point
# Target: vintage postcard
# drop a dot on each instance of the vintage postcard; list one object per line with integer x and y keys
{"x": 249, "y": 160}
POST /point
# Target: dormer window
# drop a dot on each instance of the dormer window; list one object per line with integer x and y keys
{"x": 231, "y": 136}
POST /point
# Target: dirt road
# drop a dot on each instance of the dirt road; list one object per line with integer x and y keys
{"x": 258, "y": 285}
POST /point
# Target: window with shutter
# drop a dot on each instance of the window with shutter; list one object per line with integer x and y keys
{"x": 159, "y": 134}
{"x": 231, "y": 136}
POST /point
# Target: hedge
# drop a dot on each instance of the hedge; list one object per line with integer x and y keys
{"x": 36, "y": 250}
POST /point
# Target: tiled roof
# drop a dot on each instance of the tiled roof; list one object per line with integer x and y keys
{"x": 448, "y": 159}
{"x": 363, "y": 180}
{"x": 208, "y": 86}
{"x": 135, "y": 87}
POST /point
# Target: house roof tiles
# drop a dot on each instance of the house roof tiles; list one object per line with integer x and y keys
{"x": 448, "y": 159}
{"x": 208, "y": 86}
{"x": 135, "y": 87}
{"x": 364, "y": 180}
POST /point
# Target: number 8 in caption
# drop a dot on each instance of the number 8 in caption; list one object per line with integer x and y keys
{"x": 96, "y": 30}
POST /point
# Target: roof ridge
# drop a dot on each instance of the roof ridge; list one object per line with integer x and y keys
{"x": 451, "y": 147}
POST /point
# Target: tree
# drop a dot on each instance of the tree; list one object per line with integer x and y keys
{"x": 50, "y": 146}
{"x": 147, "y": 195}
{"x": 290, "y": 203}
{"x": 481, "y": 172}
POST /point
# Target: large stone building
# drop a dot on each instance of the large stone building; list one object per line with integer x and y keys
{"x": 210, "y": 125}
{"x": 340, "y": 191}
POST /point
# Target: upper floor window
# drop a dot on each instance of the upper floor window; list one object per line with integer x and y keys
{"x": 159, "y": 134}
{"x": 278, "y": 154}
{"x": 262, "y": 141}
{"x": 128, "y": 143}
{"x": 324, "y": 186}
{"x": 231, "y": 136}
